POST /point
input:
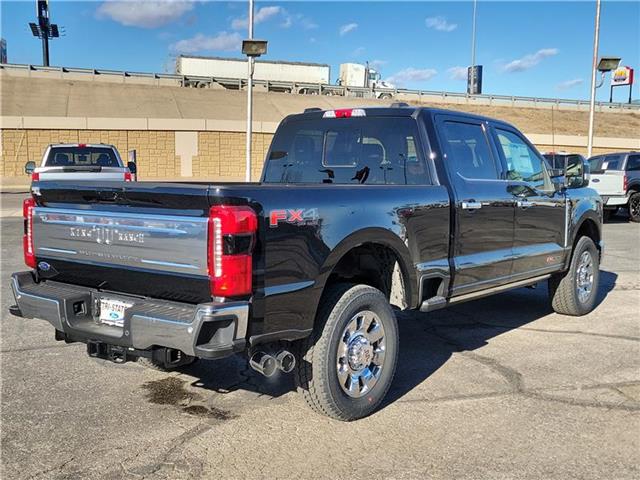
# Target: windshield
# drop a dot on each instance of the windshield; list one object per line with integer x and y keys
{"x": 81, "y": 157}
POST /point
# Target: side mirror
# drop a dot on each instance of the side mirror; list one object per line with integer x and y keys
{"x": 578, "y": 174}
{"x": 29, "y": 167}
{"x": 132, "y": 167}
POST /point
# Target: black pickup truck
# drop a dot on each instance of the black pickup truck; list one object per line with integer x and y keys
{"x": 357, "y": 210}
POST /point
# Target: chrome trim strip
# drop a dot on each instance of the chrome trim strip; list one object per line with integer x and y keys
{"x": 58, "y": 250}
{"x": 104, "y": 213}
{"x": 287, "y": 288}
{"x": 501, "y": 288}
{"x": 167, "y": 264}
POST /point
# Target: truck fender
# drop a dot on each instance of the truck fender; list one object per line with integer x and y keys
{"x": 375, "y": 236}
{"x": 585, "y": 219}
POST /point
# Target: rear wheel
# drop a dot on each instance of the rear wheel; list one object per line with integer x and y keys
{"x": 574, "y": 292}
{"x": 346, "y": 366}
{"x": 634, "y": 207}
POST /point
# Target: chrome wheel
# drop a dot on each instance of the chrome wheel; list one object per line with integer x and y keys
{"x": 361, "y": 353}
{"x": 584, "y": 277}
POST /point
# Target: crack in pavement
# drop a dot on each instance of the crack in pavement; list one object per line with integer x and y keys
{"x": 32, "y": 349}
{"x": 570, "y": 332}
{"x": 515, "y": 381}
{"x": 54, "y": 468}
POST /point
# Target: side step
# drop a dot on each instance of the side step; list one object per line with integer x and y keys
{"x": 433, "y": 303}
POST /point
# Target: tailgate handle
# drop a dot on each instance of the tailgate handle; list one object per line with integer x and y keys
{"x": 471, "y": 205}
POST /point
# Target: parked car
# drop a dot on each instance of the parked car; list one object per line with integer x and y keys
{"x": 80, "y": 161}
{"x": 616, "y": 177}
{"x": 356, "y": 208}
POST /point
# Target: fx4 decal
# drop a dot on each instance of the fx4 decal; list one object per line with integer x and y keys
{"x": 309, "y": 216}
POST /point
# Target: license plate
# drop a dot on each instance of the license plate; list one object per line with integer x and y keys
{"x": 112, "y": 311}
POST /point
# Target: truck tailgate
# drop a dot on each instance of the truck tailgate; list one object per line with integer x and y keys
{"x": 128, "y": 237}
{"x": 608, "y": 183}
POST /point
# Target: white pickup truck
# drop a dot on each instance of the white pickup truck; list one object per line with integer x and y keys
{"x": 616, "y": 177}
{"x": 80, "y": 161}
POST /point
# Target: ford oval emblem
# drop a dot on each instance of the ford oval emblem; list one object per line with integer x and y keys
{"x": 44, "y": 266}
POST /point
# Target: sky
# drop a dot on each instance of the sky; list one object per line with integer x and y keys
{"x": 541, "y": 49}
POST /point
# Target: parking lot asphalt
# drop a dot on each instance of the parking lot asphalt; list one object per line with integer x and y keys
{"x": 498, "y": 388}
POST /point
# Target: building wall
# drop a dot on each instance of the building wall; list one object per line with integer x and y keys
{"x": 215, "y": 155}
{"x": 199, "y": 155}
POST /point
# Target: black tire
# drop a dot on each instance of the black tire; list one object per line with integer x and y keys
{"x": 564, "y": 287}
{"x": 317, "y": 367}
{"x": 162, "y": 366}
{"x": 634, "y": 207}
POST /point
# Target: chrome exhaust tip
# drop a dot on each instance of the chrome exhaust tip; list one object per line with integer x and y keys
{"x": 264, "y": 363}
{"x": 286, "y": 361}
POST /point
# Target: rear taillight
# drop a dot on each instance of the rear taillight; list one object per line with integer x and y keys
{"x": 35, "y": 177}
{"x": 128, "y": 177}
{"x": 27, "y": 240}
{"x": 625, "y": 183}
{"x": 232, "y": 234}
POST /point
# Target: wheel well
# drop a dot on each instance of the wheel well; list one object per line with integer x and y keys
{"x": 375, "y": 265}
{"x": 588, "y": 229}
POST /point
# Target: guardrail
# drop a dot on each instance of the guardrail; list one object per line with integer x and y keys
{"x": 324, "y": 89}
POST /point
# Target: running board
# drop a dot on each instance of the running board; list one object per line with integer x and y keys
{"x": 433, "y": 303}
{"x": 502, "y": 288}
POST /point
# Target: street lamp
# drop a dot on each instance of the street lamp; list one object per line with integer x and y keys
{"x": 252, "y": 49}
{"x": 603, "y": 65}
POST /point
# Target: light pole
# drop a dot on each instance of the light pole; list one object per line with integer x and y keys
{"x": 473, "y": 34}
{"x": 252, "y": 49}
{"x": 474, "y": 72}
{"x": 247, "y": 175}
{"x": 592, "y": 103}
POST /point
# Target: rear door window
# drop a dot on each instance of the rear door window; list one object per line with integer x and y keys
{"x": 469, "y": 151}
{"x": 81, "y": 157}
{"x": 371, "y": 151}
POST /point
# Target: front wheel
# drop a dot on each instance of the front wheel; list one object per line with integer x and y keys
{"x": 346, "y": 366}
{"x": 574, "y": 292}
{"x": 634, "y": 207}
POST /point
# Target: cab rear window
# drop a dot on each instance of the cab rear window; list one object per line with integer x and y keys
{"x": 372, "y": 151}
{"x": 607, "y": 162}
{"x": 81, "y": 157}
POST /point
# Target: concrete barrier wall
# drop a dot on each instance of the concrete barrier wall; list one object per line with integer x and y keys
{"x": 192, "y": 155}
{"x": 161, "y": 155}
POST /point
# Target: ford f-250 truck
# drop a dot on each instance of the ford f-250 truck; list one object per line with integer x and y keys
{"x": 356, "y": 209}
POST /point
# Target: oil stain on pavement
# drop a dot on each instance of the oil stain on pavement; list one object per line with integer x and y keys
{"x": 172, "y": 391}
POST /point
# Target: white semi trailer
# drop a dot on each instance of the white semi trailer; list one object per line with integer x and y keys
{"x": 230, "y": 72}
{"x": 358, "y": 75}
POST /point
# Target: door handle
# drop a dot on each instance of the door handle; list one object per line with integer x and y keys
{"x": 471, "y": 205}
{"x": 525, "y": 204}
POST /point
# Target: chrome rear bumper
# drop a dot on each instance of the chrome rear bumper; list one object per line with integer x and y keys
{"x": 207, "y": 330}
